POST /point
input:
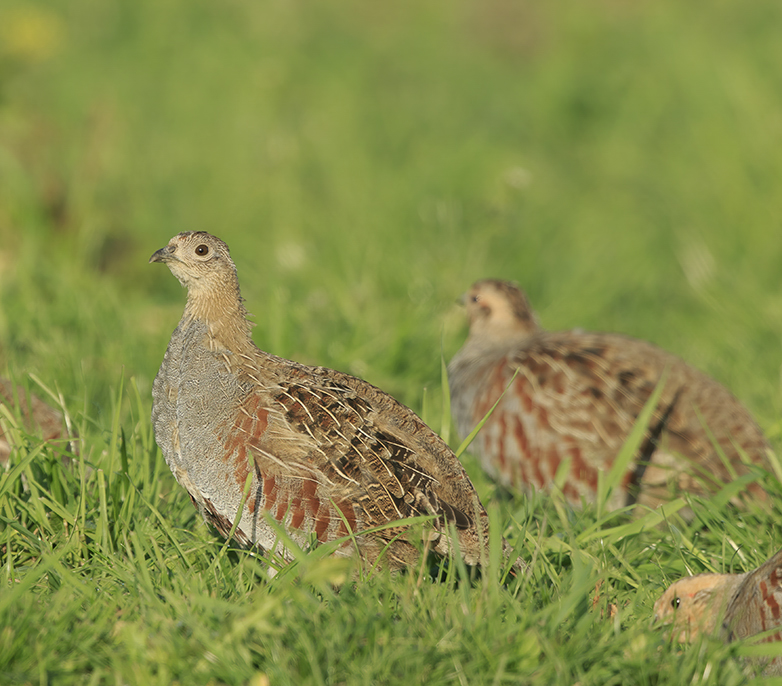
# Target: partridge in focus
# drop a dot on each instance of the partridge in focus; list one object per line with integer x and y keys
{"x": 576, "y": 396}
{"x": 328, "y": 454}
{"x": 731, "y": 606}
{"x": 37, "y": 416}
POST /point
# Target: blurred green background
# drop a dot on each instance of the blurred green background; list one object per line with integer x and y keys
{"x": 367, "y": 161}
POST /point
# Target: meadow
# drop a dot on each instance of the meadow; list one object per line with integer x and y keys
{"x": 366, "y": 162}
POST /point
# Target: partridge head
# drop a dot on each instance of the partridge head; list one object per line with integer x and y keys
{"x": 575, "y": 395}
{"x": 728, "y": 606}
{"x": 695, "y": 605}
{"x": 327, "y": 456}
{"x": 499, "y": 312}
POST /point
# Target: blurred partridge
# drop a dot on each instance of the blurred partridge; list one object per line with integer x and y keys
{"x": 576, "y": 396}
{"x": 327, "y": 454}
{"x": 733, "y": 606}
{"x": 38, "y": 417}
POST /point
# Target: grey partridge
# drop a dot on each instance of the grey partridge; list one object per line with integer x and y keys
{"x": 730, "y": 606}
{"x": 37, "y": 416}
{"x": 577, "y": 395}
{"x": 329, "y": 456}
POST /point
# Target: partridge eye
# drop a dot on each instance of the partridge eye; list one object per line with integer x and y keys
{"x": 676, "y": 602}
{"x": 202, "y": 250}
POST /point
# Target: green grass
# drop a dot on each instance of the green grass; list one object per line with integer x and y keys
{"x": 366, "y": 162}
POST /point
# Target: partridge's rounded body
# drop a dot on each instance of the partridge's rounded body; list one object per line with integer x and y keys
{"x": 731, "y": 606}
{"x": 577, "y": 395}
{"x": 327, "y": 454}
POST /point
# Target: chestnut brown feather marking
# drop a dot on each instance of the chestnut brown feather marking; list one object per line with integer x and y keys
{"x": 297, "y": 512}
{"x": 328, "y": 452}
{"x": 590, "y": 388}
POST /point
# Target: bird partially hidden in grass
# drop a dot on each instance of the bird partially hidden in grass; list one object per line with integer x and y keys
{"x": 37, "y": 417}
{"x": 328, "y": 456}
{"x": 727, "y": 606}
{"x": 576, "y": 395}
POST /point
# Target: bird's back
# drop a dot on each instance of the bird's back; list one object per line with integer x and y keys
{"x": 577, "y": 395}
{"x": 757, "y": 607}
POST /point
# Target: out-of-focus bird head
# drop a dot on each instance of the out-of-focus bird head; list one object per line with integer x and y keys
{"x": 694, "y": 605}
{"x": 499, "y": 310}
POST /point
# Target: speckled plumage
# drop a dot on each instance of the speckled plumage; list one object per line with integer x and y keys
{"x": 326, "y": 453}
{"x": 577, "y": 395}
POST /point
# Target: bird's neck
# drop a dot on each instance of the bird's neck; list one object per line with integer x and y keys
{"x": 222, "y": 311}
{"x": 724, "y": 592}
{"x": 490, "y": 345}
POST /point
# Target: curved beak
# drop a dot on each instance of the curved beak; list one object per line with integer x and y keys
{"x": 161, "y": 255}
